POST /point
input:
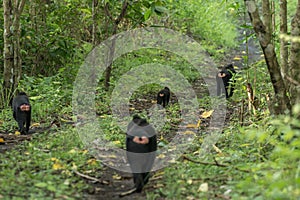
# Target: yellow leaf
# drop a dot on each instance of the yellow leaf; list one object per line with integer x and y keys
{"x": 117, "y": 177}
{"x": 74, "y": 166}
{"x": 57, "y": 166}
{"x": 26, "y": 153}
{"x": 203, "y": 187}
{"x": 17, "y": 133}
{"x": 54, "y": 159}
{"x": 72, "y": 151}
{"x": 92, "y": 161}
{"x": 194, "y": 125}
{"x": 117, "y": 142}
{"x": 1, "y": 140}
{"x": 161, "y": 156}
{"x": 217, "y": 149}
{"x": 237, "y": 58}
{"x": 189, "y": 133}
{"x": 190, "y": 181}
{"x": 84, "y": 151}
{"x": 35, "y": 125}
{"x": 207, "y": 114}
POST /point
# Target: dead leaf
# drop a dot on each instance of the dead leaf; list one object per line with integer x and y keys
{"x": 1, "y": 140}
{"x": 188, "y": 133}
{"x": 117, "y": 177}
{"x": 84, "y": 151}
{"x": 237, "y": 58}
{"x": 194, "y": 125}
{"x": 207, "y": 114}
{"x": 92, "y": 161}
{"x": 54, "y": 159}
{"x": 217, "y": 149}
{"x": 57, "y": 166}
{"x": 161, "y": 156}
{"x": 35, "y": 125}
{"x": 203, "y": 187}
{"x": 117, "y": 142}
{"x": 17, "y": 133}
{"x": 72, "y": 151}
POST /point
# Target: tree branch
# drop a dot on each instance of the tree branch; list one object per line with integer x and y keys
{"x": 215, "y": 163}
{"x": 123, "y": 12}
{"x": 106, "y": 10}
{"x": 91, "y": 178}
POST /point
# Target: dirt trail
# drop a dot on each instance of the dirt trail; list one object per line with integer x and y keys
{"x": 110, "y": 186}
{"x": 115, "y": 187}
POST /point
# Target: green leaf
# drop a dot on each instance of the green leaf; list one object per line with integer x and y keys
{"x": 160, "y": 9}
{"x": 41, "y": 184}
{"x": 147, "y": 14}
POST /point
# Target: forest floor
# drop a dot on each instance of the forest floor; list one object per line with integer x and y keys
{"x": 110, "y": 187}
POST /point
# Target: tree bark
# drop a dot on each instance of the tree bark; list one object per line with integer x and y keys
{"x": 283, "y": 44}
{"x": 94, "y": 17}
{"x": 295, "y": 57}
{"x": 12, "y": 58}
{"x": 262, "y": 30}
{"x": 7, "y": 50}
{"x": 111, "y": 53}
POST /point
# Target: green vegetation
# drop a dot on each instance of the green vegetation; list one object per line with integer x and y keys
{"x": 44, "y": 168}
{"x": 256, "y": 157}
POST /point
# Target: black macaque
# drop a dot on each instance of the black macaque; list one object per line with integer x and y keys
{"x": 141, "y": 146}
{"x": 22, "y": 111}
{"x": 224, "y": 81}
{"x": 163, "y": 97}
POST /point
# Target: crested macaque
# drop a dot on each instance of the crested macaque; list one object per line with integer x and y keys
{"x": 163, "y": 97}
{"x": 224, "y": 81}
{"x": 22, "y": 112}
{"x": 141, "y": 146}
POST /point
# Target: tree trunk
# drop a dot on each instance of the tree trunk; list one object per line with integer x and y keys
{"x": 262, "y": 30}
{"x": 7, "y": 50}
{"x": 94, "y": 17}
{"x": 283, "y": 44}
{"x": 295, "y": 57}
{"x": 111, "y": 52}
{"x": 11, "y": 36}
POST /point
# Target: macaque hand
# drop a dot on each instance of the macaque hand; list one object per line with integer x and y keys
{"x": 221, "y": 75}
{"x": 141, "y": 140}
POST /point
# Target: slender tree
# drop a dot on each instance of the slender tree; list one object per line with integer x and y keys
{"x": 283, "y": 43}
{"x": 115, "y": 23}
{"x": 11, "y": 52}
{"x": 264, "y": 33}
{"x": 294, "y": 59}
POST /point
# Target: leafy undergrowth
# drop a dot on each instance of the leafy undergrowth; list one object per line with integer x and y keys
{"x": 47, "y": 167}
{"x": 260, "y": 161}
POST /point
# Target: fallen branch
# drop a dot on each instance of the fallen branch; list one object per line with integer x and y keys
{"x": 214, "y": 163}
{"x": 204, "y": 163}
{"x": 127, "y": 192}
{"x": 91, "y": 178}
